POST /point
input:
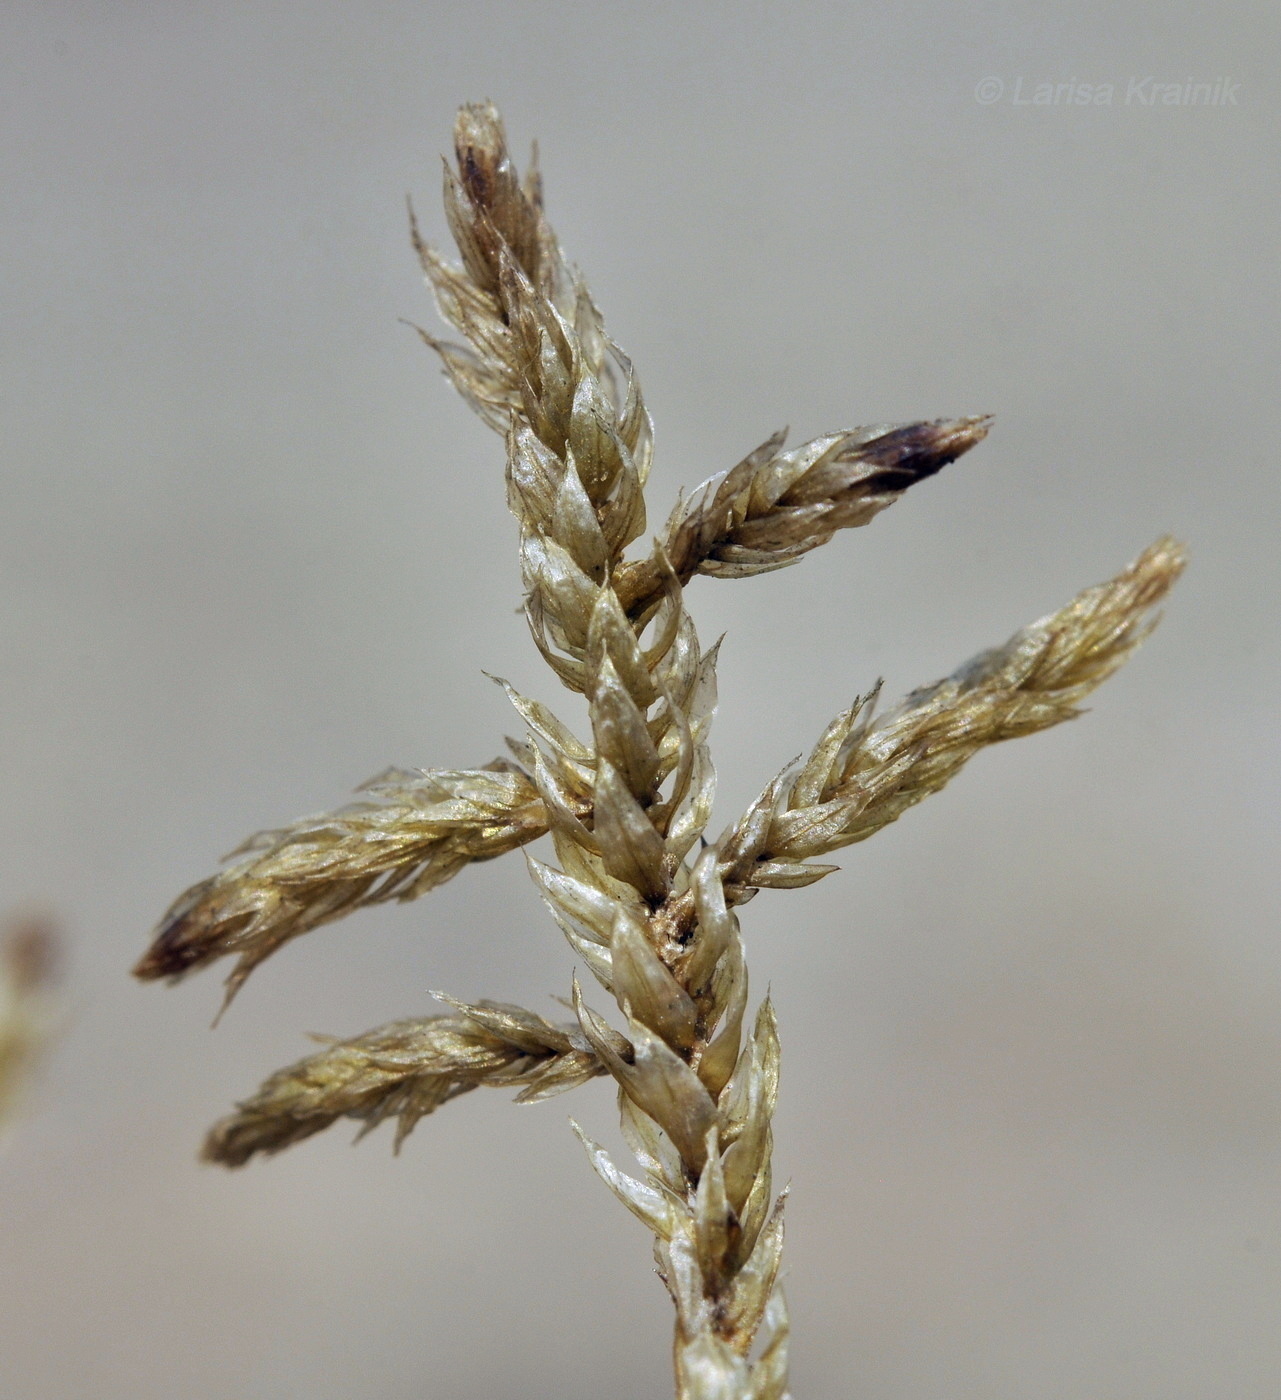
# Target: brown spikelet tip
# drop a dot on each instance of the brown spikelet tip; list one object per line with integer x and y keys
{"x": 481, "y": 147}
{"x": 909, "y": 454}
{"x": 236, "y": 1140}
{"x": 182, "y": 942}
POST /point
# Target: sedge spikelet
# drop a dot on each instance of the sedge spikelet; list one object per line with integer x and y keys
{"x": 646, "y": 901}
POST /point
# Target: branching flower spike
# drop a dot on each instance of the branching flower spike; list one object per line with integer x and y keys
{"x": 646, "y": 902}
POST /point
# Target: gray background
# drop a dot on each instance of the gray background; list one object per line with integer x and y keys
{"x": 253, "y": 551}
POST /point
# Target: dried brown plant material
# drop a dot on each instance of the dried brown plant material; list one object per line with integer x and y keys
{"x": 28, "y": 954}
{"x": 776, "y": 506}
{"x": 646, "y": 902}
{"x": 416, "y": 831}
{"x": 864, "y": 774}
{"x": 405, "y": 1071}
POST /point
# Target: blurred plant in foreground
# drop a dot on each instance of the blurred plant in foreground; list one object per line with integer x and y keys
{"x": 27, "y": 954}
{"x": 646, "y": 902}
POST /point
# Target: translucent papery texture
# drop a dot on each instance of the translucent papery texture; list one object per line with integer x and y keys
{"x": 415, "y": 831}
{"x": 864, "y": 774}
{"x": 648, "y": 906}
{"x": 625, "y": 810}
{"x": 26, "y": 960}
{"x": 696, "y": 1107}
{"x": 405, "y": 1070}
{"x": 629, "y": 803}
{"x": 535, "y": 338}
{"x": 706, "y": 1195}
{"x": 776, "y": 506}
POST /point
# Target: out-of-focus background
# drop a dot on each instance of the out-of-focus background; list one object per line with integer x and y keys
{"x": 252, "y": 551}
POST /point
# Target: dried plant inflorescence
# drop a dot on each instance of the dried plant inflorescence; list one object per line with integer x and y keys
{"x": 27, "y": 955}
{"x": 646, "y": 902}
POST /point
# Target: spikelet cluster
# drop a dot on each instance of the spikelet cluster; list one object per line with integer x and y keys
{"x": 404, "y": 1071}
{"x": 413, "y": 832}
{"x": 646, "y": 900}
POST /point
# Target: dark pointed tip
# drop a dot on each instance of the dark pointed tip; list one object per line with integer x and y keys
{"x": 171, "y": 954}
{"x": 480, "y": 147}
{"x": 153, "y": 966}
{"x": 904, "y": 456}
{"x": 221, "y": 1148}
